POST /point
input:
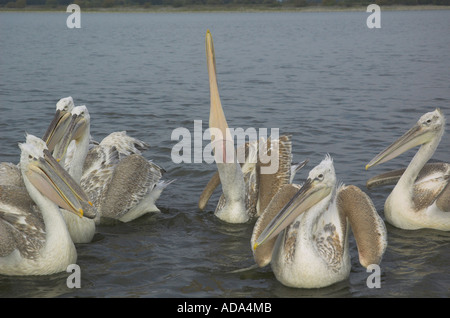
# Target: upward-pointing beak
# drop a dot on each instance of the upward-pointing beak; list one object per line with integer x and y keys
{"x": 220, "y": 134}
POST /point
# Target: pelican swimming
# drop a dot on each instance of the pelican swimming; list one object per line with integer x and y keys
{"x": 82, "y": 230}
{"x": 421, "y": 197}
{"x": 246, "y": 191}
{"x": 35, "y": 241}
{"x": 304, "y": 231}
{"x": 120, "y": 182}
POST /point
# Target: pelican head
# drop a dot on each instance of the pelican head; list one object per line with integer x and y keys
{"x": 42, "y": 171}
{"x": 428, "y": 128}
{"x": 75, "y": 130}
{"x": 65, "y": 104}
{"x": 320, "y": 184}
{"x": 59, "y": 123}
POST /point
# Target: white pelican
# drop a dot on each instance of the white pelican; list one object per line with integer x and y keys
{"x": 246, "y": 191}
{"x": 421, "y": 198}
{"x": 82, "y": 230}
{"x": 36, "y": 241}
{"x": 120, "y": 182}
{"x": 304, "y": 232}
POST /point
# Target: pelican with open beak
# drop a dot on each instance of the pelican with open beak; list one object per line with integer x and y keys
{"x": 233, "y": 210}
{"x": 303, "y": 232}
{"x": 421, "y": 197}
{"x": 246, "y": 188}
{"x": 36, "y": 241}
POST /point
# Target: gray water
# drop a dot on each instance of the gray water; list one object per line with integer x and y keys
{"x": 337, "y": 86}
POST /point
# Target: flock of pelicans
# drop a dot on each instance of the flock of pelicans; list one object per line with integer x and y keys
{"x": 66, "y": 184}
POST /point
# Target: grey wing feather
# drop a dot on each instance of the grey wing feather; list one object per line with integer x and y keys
{"x": 125, "y": 145}
{"x": 10, "y": 174}
{"x": 97, "y": 172}
{"x": 21, "y": 224}
{"x": 251, "y": 177}
{"x": 443, "y": 200}
{"x": 133, "y": 178}
{"x": 269, "y": 184}
{"x": 99, "y": 156}
{"x": 367, "y": 226}
{"x": 432, "y": 185}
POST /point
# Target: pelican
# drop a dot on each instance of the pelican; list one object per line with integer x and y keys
{"x": 246, "y": 191}
{"x": 304, "y": 230}
{"x": 36, "y": 241}
{"x": 421, "y": 197}
{"x": 120, "y": 182}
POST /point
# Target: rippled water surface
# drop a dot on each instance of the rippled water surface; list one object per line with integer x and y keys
{"x": 335, "y": 85}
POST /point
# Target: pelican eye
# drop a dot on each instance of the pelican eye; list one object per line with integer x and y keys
{"x": 428, "y": 121}
{"x": 320, "y": 177}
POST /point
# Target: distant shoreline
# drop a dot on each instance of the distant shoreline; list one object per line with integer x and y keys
{"x": 222, "y": 8}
